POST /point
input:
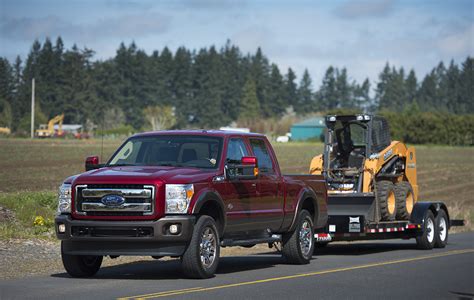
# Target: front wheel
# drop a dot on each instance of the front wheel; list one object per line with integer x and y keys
{"x": 201, "y": 258}
{"x": 426, "y": 241}
{"x": 441, "y": 229}
{"x": 81, "y": 265}
{"x": 298, "y": 246}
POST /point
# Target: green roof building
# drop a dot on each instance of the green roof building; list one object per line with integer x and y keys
{"x": 308, "y": 129}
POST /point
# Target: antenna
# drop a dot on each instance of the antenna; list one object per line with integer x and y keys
{"x": 33, "y": 108}
{"x": 102, "y": 138}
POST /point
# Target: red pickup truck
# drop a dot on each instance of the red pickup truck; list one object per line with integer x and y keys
{"x": 186, "y": 194}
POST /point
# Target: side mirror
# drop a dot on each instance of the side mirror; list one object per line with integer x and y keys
{"x": 247, "y": 168}
{"x": 92, "y": 163}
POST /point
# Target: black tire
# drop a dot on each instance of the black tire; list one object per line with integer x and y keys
{"x": 191, "y": 262}
{"x": 441, "y": 229}
{"x": 296, "y": 250}
{"x": 426, "y": 241}
{"x": 81, "y": 265}
{"x": 405, "y": 200}
{"x": 386, "y": 199}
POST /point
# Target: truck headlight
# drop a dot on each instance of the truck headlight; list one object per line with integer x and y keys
{"x": 64, "y": 198}
{"x": 178, "y": 197}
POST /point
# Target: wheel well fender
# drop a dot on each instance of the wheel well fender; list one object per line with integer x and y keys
{"x": 306, "y": 200}
{"x": 211, "y": 203}
{"x": 420, "y": 209}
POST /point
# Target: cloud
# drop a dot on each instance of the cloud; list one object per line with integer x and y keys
{"x": 457, "y": 43}
{"x": 364, "y": 9}
{"x": 212, "y": 4}
{"x": 125, "y": 26}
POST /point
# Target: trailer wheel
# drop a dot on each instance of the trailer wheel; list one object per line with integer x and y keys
{"x": 405, "y": 200}
{"x": 441, "y": 229}
{"x": 386, "y": 199}
{"x": 81, "y": 265}
{"x": 201, "y": 258}
{"x": 426, "y": 241}
{"x": 298, "y": 246}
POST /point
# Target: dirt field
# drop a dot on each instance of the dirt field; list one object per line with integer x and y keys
{"x": 444, "y": 173}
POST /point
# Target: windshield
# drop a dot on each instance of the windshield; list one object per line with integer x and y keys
{"x": 169, "y": 150}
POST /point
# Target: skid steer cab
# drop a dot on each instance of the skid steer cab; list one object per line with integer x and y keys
{"x": 372, "y": 186}
{"x": 360, "y": 159}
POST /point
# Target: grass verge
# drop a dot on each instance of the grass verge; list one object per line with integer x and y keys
{"x": 27, "y": 214}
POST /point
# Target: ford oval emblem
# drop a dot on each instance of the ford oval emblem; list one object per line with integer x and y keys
{"x": 112, "y": 200}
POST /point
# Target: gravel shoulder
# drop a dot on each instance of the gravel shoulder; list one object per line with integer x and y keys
{"x": 20, "y": 258}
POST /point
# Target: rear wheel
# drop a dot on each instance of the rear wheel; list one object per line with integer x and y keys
{"x": 81, "y": 265}
{"x": 441, "y": 229}
{"x": 405, "y": 200}
{"x": 298, "y": 246}
{"x": 426, "y": 241}
{"x": 201, "y": 258}
{"x": 386, "y": 199}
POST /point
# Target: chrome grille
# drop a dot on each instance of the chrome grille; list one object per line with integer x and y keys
{"x": 135, "y": 200}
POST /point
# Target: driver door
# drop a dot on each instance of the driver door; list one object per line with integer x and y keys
{"x": 239, "y": 194}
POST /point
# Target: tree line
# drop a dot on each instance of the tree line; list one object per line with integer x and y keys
{"x": 207, "y": 88}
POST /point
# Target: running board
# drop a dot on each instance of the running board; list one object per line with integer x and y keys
{"x": 271, "y": 239}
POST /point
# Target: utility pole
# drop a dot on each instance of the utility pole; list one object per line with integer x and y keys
{"x": 33, "y": 108}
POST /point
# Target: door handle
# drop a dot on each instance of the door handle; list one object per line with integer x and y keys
{"x": 254, "y": 184}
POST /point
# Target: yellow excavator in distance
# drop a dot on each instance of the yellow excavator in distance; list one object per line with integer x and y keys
{"x": 361, "y": 162}
{"x": 5, "y": 130}
{"x": 47, "y": 131}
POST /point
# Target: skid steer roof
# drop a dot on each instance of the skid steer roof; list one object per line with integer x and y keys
{"x": 378, "y": 135}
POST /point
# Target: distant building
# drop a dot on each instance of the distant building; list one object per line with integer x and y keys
{"x": 69, "y": 128}
{"x": 308, "y": 129}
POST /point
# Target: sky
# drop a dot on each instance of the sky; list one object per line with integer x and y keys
{"x": 361, "y": 35}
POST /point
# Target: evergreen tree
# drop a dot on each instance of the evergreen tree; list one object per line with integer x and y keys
{"x": 233, "y": 79}
{"x": 6, "y": 80}
{"x": 361, "y": 98}
{"x": 344, "y": 90}
{"x": 328, "y": 95}
{"x": 305, "y": 94}
{"x": 290, "y": 88}
{"x": 250, "y": 106}
{"x": 411, "y": 85}
{"x": 276, "y": 92}
{"x": 182, "y": 86}
{"x": 466, "y": 88}
{"x": 260, "y": 70}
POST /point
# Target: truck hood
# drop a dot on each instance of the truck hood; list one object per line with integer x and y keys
{"x": 144, "y": 174}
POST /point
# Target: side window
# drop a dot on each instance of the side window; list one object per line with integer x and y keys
{"x": 263, "y": 156}
{"x": 236, "y": 150}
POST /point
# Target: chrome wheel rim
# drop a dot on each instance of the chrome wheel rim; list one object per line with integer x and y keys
{"x": 208, "y": 247}
{"x": 430, "y": 230}
{"x": 306, "y": 239}
{"x": 442, "y": 229}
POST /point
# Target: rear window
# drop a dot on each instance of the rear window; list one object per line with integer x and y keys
{"x": 264, "y": 160}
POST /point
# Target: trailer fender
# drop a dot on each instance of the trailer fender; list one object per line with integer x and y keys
{"x": 420, "y": 209}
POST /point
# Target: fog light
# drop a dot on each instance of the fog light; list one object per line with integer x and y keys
{"x": 61, "y": 228}
{"x": 174, "y": 229}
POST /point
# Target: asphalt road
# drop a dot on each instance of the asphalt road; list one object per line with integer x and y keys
{"x": 392, "y": 269}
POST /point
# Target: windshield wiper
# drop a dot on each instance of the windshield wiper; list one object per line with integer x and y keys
{"x": 169, "y": 165}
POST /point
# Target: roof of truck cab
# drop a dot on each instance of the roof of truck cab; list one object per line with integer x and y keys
{"x": 201, "y": 132}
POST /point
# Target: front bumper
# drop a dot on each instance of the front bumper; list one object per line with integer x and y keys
{"x": 85, "y": 237}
